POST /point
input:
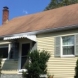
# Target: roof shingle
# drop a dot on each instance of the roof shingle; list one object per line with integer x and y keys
{"x": 60, "y": 17}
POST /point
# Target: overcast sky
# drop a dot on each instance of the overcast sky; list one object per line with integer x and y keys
{"x": 22, "y": 7}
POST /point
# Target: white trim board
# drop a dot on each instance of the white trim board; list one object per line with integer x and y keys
{"x": 31, "y": 37}
{"x": 20, "y": 51}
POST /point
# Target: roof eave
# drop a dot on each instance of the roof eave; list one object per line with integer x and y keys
{"x": 45, "y": 30}
{"x": 57, "y": 29}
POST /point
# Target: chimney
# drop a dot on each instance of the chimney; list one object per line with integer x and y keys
{"x": 5, "y": 15}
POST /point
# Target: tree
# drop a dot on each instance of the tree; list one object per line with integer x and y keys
{"x": 53, "y": 4}
{"x": 58, "y": 3}
{"x": 37, "y": 64}
{"x": 76, "y": 70}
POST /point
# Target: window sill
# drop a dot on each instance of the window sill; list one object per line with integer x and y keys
{"x": 68, "y": 56}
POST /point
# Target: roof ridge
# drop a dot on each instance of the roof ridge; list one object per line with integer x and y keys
{"x": 45, "y": 11}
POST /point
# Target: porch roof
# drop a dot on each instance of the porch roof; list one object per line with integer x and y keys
{"x": 31, "y": 37}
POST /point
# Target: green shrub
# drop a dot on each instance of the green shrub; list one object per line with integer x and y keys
{"x": 76, "y": 70}
{"x": 37, "y": 64}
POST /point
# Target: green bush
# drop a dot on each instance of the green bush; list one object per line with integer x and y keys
{"x": 76, "y": 70}
{"x": 37, "y": 64}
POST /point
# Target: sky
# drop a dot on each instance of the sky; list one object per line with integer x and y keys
{"x": 22, "y": 7}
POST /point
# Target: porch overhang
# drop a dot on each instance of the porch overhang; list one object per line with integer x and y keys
{"x": 31, "y": 37}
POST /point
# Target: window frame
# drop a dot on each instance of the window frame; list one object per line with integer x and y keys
{"x": 2, "y": 47}
{"x": 70, "y": 55}
{"x": 8, "y": 45}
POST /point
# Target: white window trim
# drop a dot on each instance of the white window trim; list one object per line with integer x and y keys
{"x": 6, "y": 43}
{"x": 61, "y": 48}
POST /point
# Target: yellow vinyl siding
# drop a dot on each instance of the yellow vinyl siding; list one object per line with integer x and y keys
{"x": 60, "y": 67}
{"x": 9, "y": 72}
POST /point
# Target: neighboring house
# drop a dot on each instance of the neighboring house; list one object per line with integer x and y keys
{"x": 54, "y": 30}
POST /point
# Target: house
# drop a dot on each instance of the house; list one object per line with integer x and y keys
{"x": 54, "y": 30}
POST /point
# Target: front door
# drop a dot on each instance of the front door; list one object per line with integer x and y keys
{"x": 24, "y": 53}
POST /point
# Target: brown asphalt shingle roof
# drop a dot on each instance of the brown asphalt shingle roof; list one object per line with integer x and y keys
{"x": 60, "y": 17}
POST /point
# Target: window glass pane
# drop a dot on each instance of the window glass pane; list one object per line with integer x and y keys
{"x": 68, "y": 50}
{"x": 4, "y": 51}
{"x": 68, "y": 40}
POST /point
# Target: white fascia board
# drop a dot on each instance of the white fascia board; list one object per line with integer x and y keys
{"x": 31, "y": 37}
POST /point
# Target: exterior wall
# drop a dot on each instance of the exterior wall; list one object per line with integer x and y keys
{"x": 12, "y": 64}
{"x": 9, "y": 66}
{"x": 60, "y": 67}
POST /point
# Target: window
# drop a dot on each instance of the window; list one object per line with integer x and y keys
{"x": 68, "y": 45}
{"x": 4, "y": 51}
